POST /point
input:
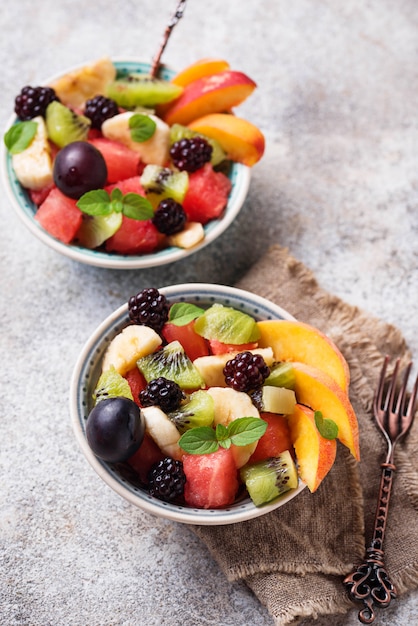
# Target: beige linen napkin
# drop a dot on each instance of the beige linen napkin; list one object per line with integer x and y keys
{"x": 295, "y": 558}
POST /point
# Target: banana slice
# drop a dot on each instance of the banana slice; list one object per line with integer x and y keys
{"x": 154, "y": 150}
{"x": 192, "y": 234}
{"x": 130, "y": 345}
{"x": 33, "y": 166}
{"x": 163, "y": 431}
{"x": 230, "y": 405}
{"x": 74, "y": 88}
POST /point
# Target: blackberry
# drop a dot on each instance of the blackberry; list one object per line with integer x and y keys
{"x": 246, "y": 371}
{"x": 190, "y": 154}
{"x": 33, "y": 101}
{"x": 99, "y": 109}
{"x": 149, "y": 308}
{"x": 170, "y": 217}
{"x": 166, "y": 479}
{"x": 162, "y": 392}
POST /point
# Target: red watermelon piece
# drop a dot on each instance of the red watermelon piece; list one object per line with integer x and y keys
{"x": 144, "y": 458}
{"x": 134, "y": 237}
{"x": 211, "y": 479}
{"x": 39, "y": 195}
{"x": 136, "y": 383}
{"x": 207, "y": 194}
{"x": 59, "y": 216}
{"x": 217, "y": 347}
{"x": 194, "y": 345}
{"x": 121, "y": 161}
{"x": 129, "y": 185}
{"x": 275, "y": 440}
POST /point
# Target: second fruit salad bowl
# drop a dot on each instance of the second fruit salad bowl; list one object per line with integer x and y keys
{"x": 87, "y": 160}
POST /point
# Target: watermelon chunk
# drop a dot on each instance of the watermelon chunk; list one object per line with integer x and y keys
{"x": 144, "y": 458}
{"x": 136, "y": 383}
{"x": 59, "y": 216}
{"x": 121, "y": 161}
{"x": 275, "y": 440}
{"x": 211, "y": 479}
{"x": 194, "y": 345}
{"x": 129, "y": 185}
{"x": 207, "y": 194}
{"x": 39, "y": 195}
{"x": 134, "y": 237}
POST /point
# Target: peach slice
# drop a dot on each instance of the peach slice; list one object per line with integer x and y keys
{"x": 199, "y": 69}
{"x": 315, "y": 454}
{"x": 315, "y": 389}
{"x": 297, "y": 341}
{"x": 210, "y": 94}
{"x": 242, "y": 141}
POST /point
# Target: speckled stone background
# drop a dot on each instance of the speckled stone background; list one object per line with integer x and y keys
{"x": 337, "y": 100}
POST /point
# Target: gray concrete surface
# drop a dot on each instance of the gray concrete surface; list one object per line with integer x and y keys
{"x": 337, "y": 101}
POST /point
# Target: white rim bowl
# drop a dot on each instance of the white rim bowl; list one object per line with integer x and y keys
{"x": 86, "y": 374}
{"x": 239, "y": 175}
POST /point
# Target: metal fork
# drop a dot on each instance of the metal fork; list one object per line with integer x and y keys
{"x": 370, "y": 583}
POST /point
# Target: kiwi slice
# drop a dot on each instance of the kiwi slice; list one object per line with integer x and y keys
{"x": 172, "y": 362}
{"x": 227, "y": 325}
{"x": 111, "y": 385}
{"x": 95, "y": 229}
{"x": 161, "y": 182}
{"x": 199, "y": 410}
{"x": 281, "y": 375}
{"x": 266, "y": 480}
{"x": 178, "y": 131}
{"x": 64, "y": 125}
{"x": 142, "y": 90}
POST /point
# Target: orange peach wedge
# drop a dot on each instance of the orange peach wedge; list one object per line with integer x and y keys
{"x": 297, "y": 341}
{"x": 315, "y": 389}
{"x": 242, "y": 141}
{"x": 315, "y": 454}
{"x": 199, "y": 69}
{"x": 210, "y": 94}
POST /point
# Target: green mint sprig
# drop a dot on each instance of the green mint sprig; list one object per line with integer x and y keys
{"x": 20, "y": 136}
{"x": 182, "y": 313}
{"x": 142, "y": 127}
{"x": 240, "y": 432}
{"x": 327, "y": 428}
{"x": 99, "y": 202}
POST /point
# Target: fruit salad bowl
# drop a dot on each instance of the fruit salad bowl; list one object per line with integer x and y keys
{"x": 26, "y": 203}
{"x": 120, "y": 476}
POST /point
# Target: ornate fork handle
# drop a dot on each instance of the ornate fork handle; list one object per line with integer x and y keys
{"x": 370, "y": 583}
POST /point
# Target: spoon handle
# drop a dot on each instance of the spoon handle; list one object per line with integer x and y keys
{"x": 177, "y": 15}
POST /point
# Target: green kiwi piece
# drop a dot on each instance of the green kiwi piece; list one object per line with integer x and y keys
{"x": 64, "y": 125}
{"x": 178, "y": 131}
{"x": 227, "y": 325}
{"x": 199, "y": 410}
{"x": 111, "y": 385}
{"x": 266, "y": 480}
{"x": 142, "y": 90}
{"x": 95, "y": 229}
{"x": 172, "y": 362}
{"x": 161, "y": 182}
{"x": 281, "y": 375}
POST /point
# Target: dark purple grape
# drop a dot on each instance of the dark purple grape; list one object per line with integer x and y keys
{"x": 79, "y": 167}
{"x": 115, "y": 429}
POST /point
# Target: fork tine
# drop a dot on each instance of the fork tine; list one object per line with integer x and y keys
{"x": 400, "y": 404}
{"x": 380, "y": 387}
{"x": 390, "y": 395}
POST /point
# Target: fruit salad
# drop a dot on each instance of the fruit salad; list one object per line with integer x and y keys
{"x": 127, "y": 163}
{"x": 205, "y": 407}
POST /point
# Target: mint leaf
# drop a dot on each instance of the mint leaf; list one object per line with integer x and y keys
{"x": 137, "y": 207}
{"x": 327, "y": 428}
{"x": 245, "y": 430}
{"x": 20, "y": 136}
{"x": 142, "y": 127}
{"x": 96, "y": 202}
{"x": 240, "y": 432}
{"x": 182, "y": 313}
{"x": 200, "y": 440}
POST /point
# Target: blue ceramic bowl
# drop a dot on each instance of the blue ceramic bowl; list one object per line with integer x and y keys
{"x": 26, "y": 209}
{"x": 87, "y": 371}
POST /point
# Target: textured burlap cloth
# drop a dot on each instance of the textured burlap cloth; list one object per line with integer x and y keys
{"x": 295, "y": 558}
